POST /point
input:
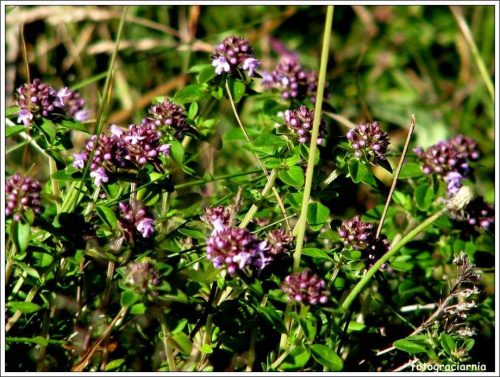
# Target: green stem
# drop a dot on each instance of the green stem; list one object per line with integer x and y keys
{"x": 301, "y": 225}
{"x": 410, "y": 236}
{"x": 265, "y": 192}
{"x": 104, "y": 103}
{"x": 168, "y": 349}
{"x": 314, "y": 137}
{"x": 472, "y": 45}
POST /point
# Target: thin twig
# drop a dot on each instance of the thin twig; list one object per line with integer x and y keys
{"x": 275, "y": 192}
{"x": 395, "y": 181}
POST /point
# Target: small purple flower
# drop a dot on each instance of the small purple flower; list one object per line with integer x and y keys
{"x": 25, "y": 117}
{"x": 143, "y": 278}
{"x": 99, "y": 176}
{"x": 236, "y": 248}
{"x": 73, "y": 104}
{"x": 79, "y": 160}
{"x": 217, "y": 218}
{"x": 234, "y": 53}
{"x": 369, "y": 144}
{"x": 135, "y": 217}
{"x": 35, "y": 100}
{"x": 221, "y": 65}
{"x": 476, "y": 216}
{"x": 360, "y": 235}
{"x": 142, "y": 143}
{"x": 21, "y": 194}
{"x": 454, "y": 181}
{"x": 250, "y": 64}
{"x": 109, "y": 154}
{"x": 356, "y": 233}
{"x": 280, "y": 242}
{"x": 466, "y": 146}
{"x": 171, "y": 117}
{"x": 300, "y": 122}
{"x": 292, "y": 80}
{"x": 306, "y": 288}
{"x": 449, "y": 160}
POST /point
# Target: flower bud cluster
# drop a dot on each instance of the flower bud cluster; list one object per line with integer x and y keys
{"x": 21, "y": 195}
{"x": 170, "y": 116}
{"x": 300, "y": 122}
{"x": 41, "y": 100}
{"x": 360, "y": 235}
{"x": 134, "y": 217}
{"x": 143, "y": 278}
{"x": 305, "y": 287}
{"x": 449, "y": 160}
{"x": 234, "y": 53}
{"x": 368, "y": 143}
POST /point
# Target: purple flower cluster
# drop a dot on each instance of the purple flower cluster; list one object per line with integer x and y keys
{"x": 143, "y": 278}
{"x": 217, "y": 217}
{"x": 73, "y": 104}
{"x": 360, "y": 235}
{"x": 234, "y": 53}
{"x": 168, "y": 114}
{"x": 280, "y": 242}
{"x": 449, "y": 160}
{"x": 236, "y": 248}
{"x": 22, "y": 194}
{"x": 134, "y": 217}
{"x": 139, "y": 144}
{"x": 477, "y": 215}
{"x": 368, "y": 142}
{"x": 300, "y": 121}
{"x": 41, "y": 100}
{"x": 305, "y": 287}
{"x": 292, "y": 80}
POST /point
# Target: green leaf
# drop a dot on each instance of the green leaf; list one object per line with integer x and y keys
{"x": 237, "y": 89}
{"x": 408, "y": 346}
{"x": 411, "y": 170}
{"x": 199, "y": 67}
{"x": 22, "y": 236}
{"x": 195, "y": 233}
{"x": 177, "y": 151}
{"x": 269, "y": 140}
{"x": 181, "y": 342}
{"x": 355, "y": 326}
{"x": 447, "y": 343}
{"x": 317, "y": 215}
{"x": 37, "y": 340}
{"x": 74, "y": 125}
{"x": 236, "y": 134}
{"x": 14, "y": 130}
{"x": 108, "y": 216}
{"x": 293, "y": 176}
{"x": 206, "y": 73}
{"x": 327, "y": 357}
{"x": 294, "y": 199}
{"x": 190, "y": 93}
{"x": 24, "y": 307}
{"x": 206, "y": 349}
{"x": 65, "y": 175}
{"x": 49, "y": 128}
{"x": 315, "y": 253}
{"x": 128, "y": 298}
{"x": 193, "y": 110}
{"x": 357, "y": 170}
{"x": 402, "y": 266}
{"x": 297, "y": 359}
{"x": 385, "y": 164}
{"x": 115, "y": 364}
{"x": 137, "y": 309}
{"x": 42, "y": 259}
{"x": 14, "y": 110}
{"x": 275, "y": 320}
{"x": 424, "y": 196}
